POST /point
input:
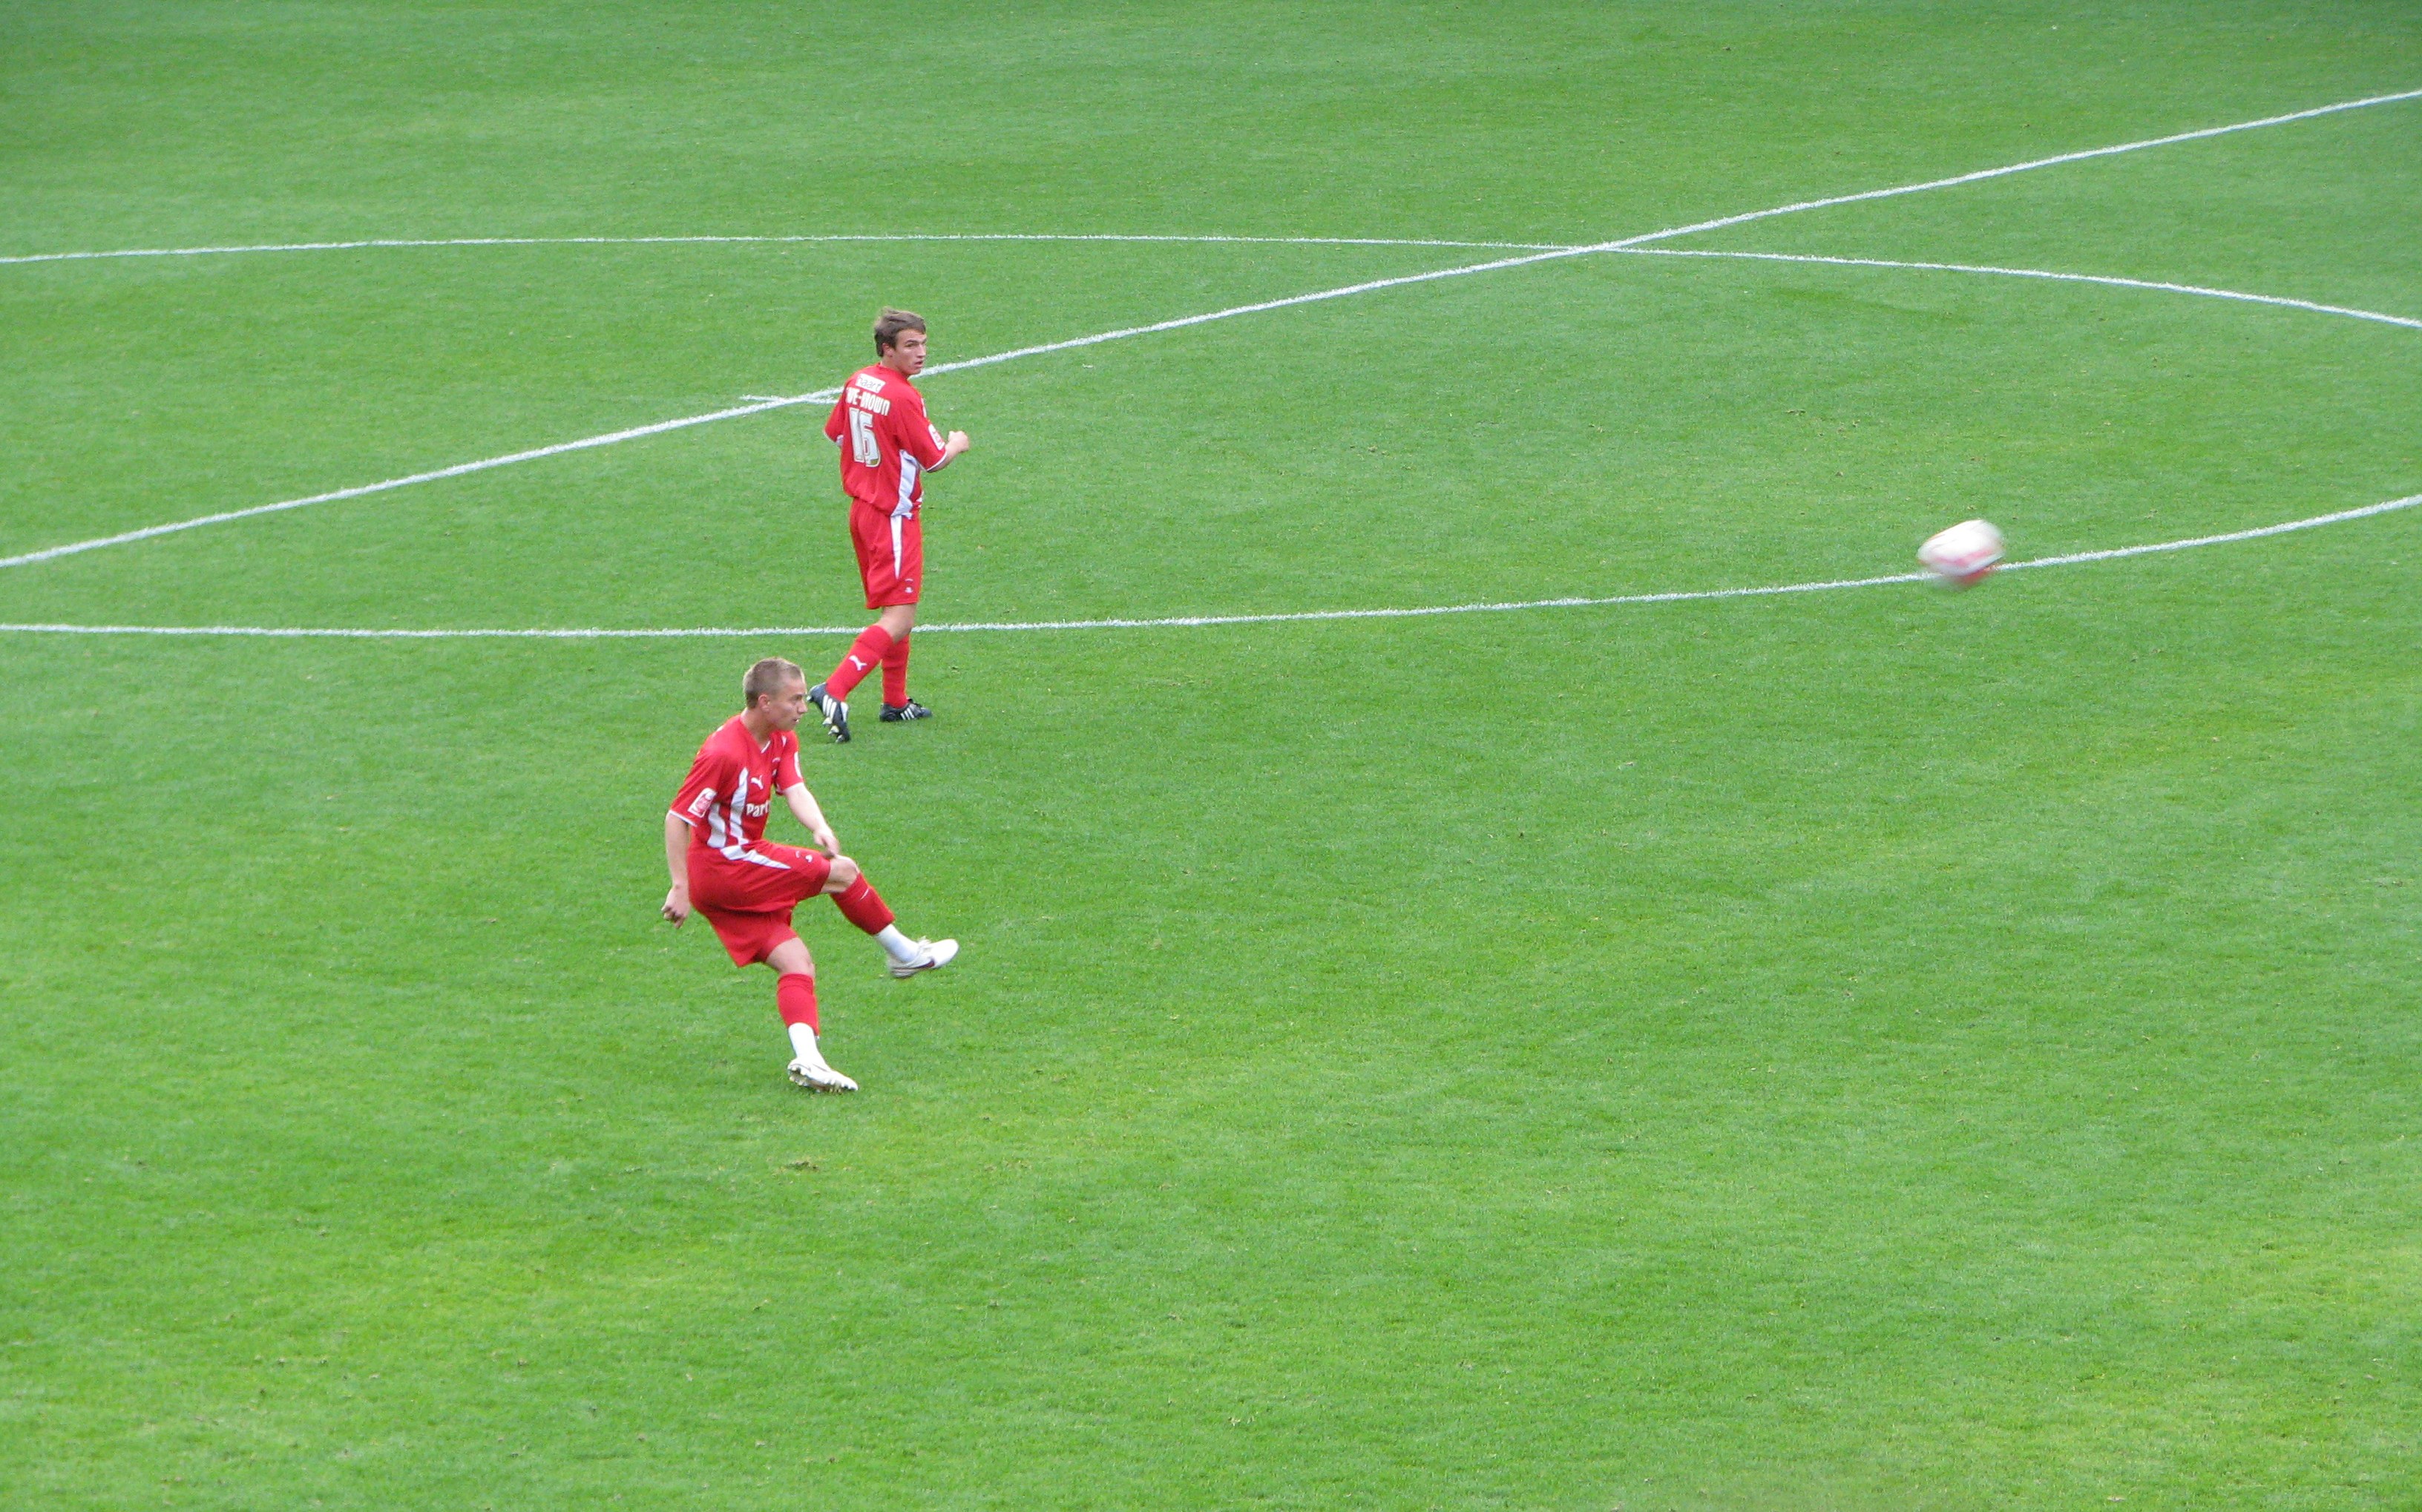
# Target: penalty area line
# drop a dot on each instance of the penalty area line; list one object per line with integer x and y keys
{"x": 1189, "y": 621}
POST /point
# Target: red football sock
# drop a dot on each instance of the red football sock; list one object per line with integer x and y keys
{"x": 864, "y": 657}
{"x": 794, "y": 995}
{"x": 895, "y": 673}
{"x": 859, "y": 905}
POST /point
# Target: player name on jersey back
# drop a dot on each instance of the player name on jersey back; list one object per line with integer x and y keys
{"x": 866, "y": 392}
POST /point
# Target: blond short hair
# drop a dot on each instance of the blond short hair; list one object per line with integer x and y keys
{"x": 771, "y": 675}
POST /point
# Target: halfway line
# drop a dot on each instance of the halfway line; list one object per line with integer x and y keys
{"x": 457, "y": 471}
{"x": 1368, "y": 286}
{"x": 1287, "y": 241}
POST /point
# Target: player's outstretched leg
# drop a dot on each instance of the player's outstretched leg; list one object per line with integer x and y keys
{"x": 794, "y": 995}
{"x": 861, "y": 905}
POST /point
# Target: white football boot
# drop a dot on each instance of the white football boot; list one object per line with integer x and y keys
{"x": 938, "y": 954}
{"x": 817, "y": 1076}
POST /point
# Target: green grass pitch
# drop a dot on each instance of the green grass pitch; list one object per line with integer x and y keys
{"x": 1867, "y": 1049}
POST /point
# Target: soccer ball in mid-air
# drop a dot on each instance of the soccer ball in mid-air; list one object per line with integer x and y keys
{"x": 1963, "y": 555}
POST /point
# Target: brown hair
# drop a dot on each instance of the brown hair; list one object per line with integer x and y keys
{"x": 771, "y": 675}
{"x": 888, "y": 326}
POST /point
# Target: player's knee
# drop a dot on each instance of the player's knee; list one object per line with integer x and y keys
{"x": 844, "y": 874}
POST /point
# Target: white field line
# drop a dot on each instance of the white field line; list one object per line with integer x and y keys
{"x": 1188, "y": 622}
{"x": 1368, "y": 286}
{"x": 2106, "y": 280}
{"x": 457, "y": 470}
{"x": 690, "y": 241}
{"x": 1977, "y": 177}
{"x": 756, "y": 404}
{"x": 2188, "y": 543}
{"x": 1983, "y": 174}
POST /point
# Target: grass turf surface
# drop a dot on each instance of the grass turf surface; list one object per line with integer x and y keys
{"x": 1865, "y": 1050}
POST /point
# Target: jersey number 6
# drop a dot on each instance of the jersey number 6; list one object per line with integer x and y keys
{"x": 861, "y": 439}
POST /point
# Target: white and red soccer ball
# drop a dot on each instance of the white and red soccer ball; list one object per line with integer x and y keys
{"x": 1963, "y": 555}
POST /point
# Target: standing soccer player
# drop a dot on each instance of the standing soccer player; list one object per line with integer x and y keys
{"x": 722, "y": 866}
{"x": 887, "y": 448}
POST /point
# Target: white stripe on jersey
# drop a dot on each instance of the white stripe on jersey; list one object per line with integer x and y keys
{"x": 733, "y": 838}
{"x": 907, "y": 504}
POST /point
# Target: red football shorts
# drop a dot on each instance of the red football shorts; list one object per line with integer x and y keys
{"x": 750, "y": 902}
{"x": 890, "y": 553}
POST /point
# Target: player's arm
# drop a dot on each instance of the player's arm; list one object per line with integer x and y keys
{"x": 951, "y": 447}
{"x": 916, "y": 435}
{"x": 677, "y": 862}
{"x": 803, "y": 808}
{"x": 708, "y": 776}
{"x": 837, "y": 423}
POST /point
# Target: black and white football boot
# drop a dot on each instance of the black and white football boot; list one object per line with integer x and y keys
{"x": 835, "y": 712}
{"x": 902, "y": 713}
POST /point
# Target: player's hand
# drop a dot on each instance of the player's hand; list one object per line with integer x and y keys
{"x": 827, "y": 841}
{"x": 958, "y": 441}
{"x": 677, "y": 904}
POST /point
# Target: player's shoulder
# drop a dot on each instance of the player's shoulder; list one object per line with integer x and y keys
{"x": 730, "y": 737}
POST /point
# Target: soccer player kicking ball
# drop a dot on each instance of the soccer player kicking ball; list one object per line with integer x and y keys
{"x": 722, "y": 866}
{"x": 887, "y": 448}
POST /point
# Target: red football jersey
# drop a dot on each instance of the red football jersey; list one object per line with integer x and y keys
{"x": 886, "y": 441}
{"x": 732, "y": 786}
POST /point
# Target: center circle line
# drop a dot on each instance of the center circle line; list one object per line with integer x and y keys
{"x": 1188, "y": 622}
